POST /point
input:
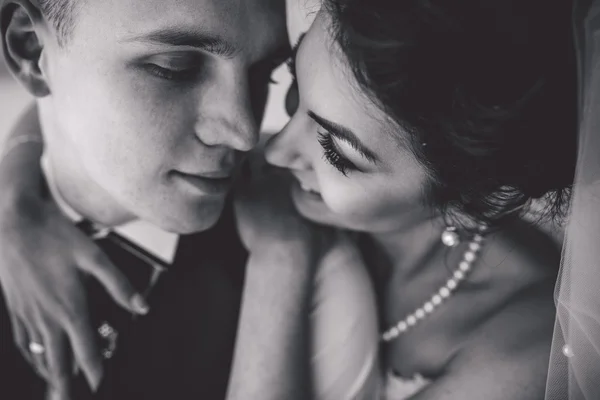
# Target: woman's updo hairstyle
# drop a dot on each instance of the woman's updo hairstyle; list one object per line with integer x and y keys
{"x": 486, "y": 90}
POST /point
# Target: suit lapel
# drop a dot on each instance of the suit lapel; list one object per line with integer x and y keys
{"x": 184, "y": 347}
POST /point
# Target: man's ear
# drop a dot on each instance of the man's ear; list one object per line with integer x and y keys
{"x": 20, "y": 23}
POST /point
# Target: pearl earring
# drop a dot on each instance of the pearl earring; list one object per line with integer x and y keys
{"x": 450, "y": 237}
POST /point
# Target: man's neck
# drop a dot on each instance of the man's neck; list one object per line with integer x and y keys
{"x": 157, "y": 242}
{"x": 73, "y": 185}
{"x": 64, "y": 198}
{"x": 80, "y": 198}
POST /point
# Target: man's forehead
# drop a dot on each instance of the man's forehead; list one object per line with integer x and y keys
{"x": 255, "y": 25}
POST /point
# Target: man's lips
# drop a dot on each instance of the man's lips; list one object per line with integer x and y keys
{"x": 207, "y": 183}
{"x": 221, "y": 174}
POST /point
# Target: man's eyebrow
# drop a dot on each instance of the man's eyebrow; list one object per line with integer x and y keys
{"x": 210, "y": 43}
{"x": 346, "y": 135}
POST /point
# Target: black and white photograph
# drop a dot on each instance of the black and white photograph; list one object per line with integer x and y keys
{"x": 300, "y": 200}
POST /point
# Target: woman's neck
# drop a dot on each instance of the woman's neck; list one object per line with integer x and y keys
{"x": 402, "y": 251}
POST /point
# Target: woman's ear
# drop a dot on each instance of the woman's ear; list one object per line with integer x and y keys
{"x": 20, "y": 23}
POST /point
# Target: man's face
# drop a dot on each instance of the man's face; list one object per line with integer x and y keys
{"x": 153, "y": 101}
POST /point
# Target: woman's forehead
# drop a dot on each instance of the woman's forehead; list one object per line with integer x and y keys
{"x": 329, "y": 89}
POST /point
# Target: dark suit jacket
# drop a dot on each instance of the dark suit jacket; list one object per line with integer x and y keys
{"x": 183, "y": 348}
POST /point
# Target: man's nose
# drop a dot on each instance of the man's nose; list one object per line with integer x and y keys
{"x": 226, "y": 117}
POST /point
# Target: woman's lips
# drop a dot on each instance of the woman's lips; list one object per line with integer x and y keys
{"x": 305, "y": 189}
{"x": 309, "y": 190}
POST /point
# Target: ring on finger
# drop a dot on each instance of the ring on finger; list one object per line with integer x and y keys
{"x": 36, "y": 348}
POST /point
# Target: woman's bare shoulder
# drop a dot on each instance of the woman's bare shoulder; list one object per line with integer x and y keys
{"x": 523, "y": 263}
{"x": 522, "y": 253}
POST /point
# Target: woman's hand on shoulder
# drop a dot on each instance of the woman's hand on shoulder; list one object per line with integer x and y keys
{"x": 44, "y": 260}
{"x": 266, "y": 215}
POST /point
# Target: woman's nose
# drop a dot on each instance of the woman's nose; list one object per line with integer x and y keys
{"x": 286, "y": 149}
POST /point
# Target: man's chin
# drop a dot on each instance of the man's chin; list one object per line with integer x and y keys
{"x": 192, "y": 218}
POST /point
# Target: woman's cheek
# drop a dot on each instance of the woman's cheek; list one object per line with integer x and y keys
{"x": 344, "y": 198}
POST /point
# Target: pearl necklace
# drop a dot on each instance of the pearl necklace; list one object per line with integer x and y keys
{"x": 458, "y": 275}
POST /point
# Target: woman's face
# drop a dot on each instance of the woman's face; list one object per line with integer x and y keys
{"x": 353, "y": 165}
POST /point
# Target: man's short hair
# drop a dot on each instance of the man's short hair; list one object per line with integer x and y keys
{"x": 61, "y": 13}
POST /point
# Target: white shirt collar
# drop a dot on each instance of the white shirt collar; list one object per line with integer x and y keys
{"x": 151, "y": 238}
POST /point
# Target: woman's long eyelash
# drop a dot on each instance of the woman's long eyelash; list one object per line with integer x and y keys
{"x": 331, "y": 154}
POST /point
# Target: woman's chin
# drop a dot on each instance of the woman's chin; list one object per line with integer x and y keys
{"x": 312, "y": 207}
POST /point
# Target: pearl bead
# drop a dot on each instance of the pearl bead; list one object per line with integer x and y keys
{"x": 105, "y": 330}
{"x": 107, "y": 354}
{"x": 450, "y": 238}
{"x": 469, "y": 256}
{"x": 567, "y": 351}
{"x": 428, "y": 307}
{"x": 474, "y": 246}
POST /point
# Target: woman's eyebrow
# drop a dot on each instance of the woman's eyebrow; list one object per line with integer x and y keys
{"x": 345, "y": 134}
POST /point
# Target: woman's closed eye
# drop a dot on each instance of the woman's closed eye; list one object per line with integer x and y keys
{"x": 333, "y": 155}
{"x": 329, "y": 132}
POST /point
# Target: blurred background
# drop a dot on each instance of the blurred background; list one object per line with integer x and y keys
{"x": 13, "y": 100}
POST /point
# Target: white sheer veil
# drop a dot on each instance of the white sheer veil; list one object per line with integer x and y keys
{"x": 574, "y": 370}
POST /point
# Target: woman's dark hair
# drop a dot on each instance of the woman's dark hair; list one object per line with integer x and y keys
{"x": 486, "y": 89}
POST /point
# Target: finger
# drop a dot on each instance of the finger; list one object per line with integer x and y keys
{"x": 53, "y": 394}
{"x": 97, "y": 264}
{"x": 86, "y": 349}
{"x": 59, "y": 363}
{"x": 21, "y": 339}
{"x": 37, "y": 348}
